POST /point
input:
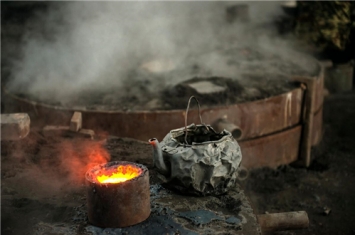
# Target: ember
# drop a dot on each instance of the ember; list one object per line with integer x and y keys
{"x": 121, "y": 174}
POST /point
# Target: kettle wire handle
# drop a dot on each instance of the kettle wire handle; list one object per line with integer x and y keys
{"x": 187, "y": 111}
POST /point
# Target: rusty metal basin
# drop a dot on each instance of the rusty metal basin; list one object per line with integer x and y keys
{"x": 271, "y": 128}
{"x": 256, "y": 118}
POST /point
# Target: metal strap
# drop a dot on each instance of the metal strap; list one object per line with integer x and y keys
{"x": 187, "y": 111}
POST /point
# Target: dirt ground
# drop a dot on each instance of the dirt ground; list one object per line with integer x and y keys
{"x": 325, "y": 190}
{"x": 44, "y": 174}
{"x": 43, "y": 191}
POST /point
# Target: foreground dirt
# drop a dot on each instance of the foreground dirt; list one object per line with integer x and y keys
{"x": 325, "y": 190}
{"x": 50, "y": 169}
{"x": 43, "y": 191}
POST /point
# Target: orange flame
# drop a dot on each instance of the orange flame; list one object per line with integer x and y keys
{"x": 121, "y": 174}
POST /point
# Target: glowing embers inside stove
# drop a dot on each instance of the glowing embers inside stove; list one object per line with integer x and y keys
{"x": 117, "y": 174}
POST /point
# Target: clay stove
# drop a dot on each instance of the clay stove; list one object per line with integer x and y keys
{"x": 118, "y": 194}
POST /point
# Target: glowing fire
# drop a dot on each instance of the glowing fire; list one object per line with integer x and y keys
{"x": 120, "y": 174}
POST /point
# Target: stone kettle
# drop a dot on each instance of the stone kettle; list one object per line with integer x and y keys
{"x": 196, "y": 159}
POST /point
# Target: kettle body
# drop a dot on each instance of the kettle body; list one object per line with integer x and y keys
{"x": 196, "y": 159}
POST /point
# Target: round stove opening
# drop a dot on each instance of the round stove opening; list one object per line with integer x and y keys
{"x": 117, "y": 174}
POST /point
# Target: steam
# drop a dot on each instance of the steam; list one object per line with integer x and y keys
{"x": 75, "y": 47}
{"x": 79, "y": 46}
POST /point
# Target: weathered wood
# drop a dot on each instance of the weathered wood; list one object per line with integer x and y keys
{"x": 319, "y": 99}
{"x": 317, "y": 130}
{"x": 320, "y": 94}
{"x": 308, "y": 115}
{"x": 15, "y": 126}
{"x": 283, "y": 221}
{"x": 76, "y": 122}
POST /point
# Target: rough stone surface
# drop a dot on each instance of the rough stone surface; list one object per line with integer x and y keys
{"x": 76, "y": 122}
{"x": 172, "y": 214}
{"x": 206, "y": 87}
{"x": 14, "y": 126}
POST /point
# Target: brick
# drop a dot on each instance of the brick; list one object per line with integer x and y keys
{"x": 15, "y": 126}
{"x": 76, "y": 122}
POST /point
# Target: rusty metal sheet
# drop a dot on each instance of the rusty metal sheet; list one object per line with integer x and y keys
{"x": 273, "y": 150}
{"x": 255, "y": 118}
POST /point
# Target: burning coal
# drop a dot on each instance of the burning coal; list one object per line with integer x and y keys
{"x": 118, "y": 175}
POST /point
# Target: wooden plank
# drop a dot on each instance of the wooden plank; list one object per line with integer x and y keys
{"x": 321, "y": 92}
{"x": 308, "y": 115}
{"x": 319, "y": 97}
{"x": 283, "y": 221}
{"x": 15, "y": 126}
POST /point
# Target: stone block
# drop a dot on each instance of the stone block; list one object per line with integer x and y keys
{"x": 15, "y": 126}
{"x": 76, "y": 122}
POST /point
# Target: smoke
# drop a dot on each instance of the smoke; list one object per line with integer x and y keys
{"x": 82, "y": 46}
{"x": 37, "y": 168}
{"x": 76, "y": 161}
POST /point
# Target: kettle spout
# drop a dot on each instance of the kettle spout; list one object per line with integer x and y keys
{"x": 158, "y": 160}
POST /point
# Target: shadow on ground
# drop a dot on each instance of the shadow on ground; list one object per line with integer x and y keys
{"x": 326, "y": 189}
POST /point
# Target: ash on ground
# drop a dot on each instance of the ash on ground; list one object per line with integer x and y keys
{"x": 44, "y": 193}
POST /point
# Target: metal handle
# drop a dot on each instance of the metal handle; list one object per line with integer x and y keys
{"x": 187, "y": 111}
